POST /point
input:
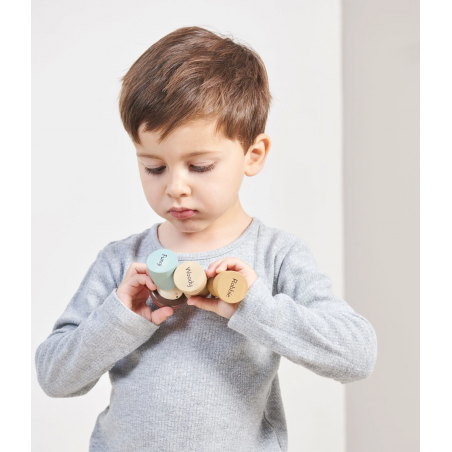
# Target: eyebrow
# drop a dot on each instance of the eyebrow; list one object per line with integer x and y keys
{"x": 188, "y": 155}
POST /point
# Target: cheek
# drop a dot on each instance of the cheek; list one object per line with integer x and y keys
{"x": 219, "y": 189}
{"x": 152, "y": 189}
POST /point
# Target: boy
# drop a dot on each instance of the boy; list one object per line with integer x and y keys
{"x": 202, "y": 377}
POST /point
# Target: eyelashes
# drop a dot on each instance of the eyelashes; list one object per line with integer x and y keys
{"x": 155, "y": 171}
{"x": 203, "y": 169}
{"x": 193, "y": 168}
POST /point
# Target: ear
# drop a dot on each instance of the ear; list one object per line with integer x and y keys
{"x": 256, "y": 155}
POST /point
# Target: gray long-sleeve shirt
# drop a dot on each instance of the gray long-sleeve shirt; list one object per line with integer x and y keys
{"x": 200, "y": 382}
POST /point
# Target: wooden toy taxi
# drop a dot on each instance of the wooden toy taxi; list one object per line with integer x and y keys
{"x": 175, "y": 283}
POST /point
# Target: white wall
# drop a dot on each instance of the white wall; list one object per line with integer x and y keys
{"x": 381, "y": 174}
{"x": 86, "y": 189}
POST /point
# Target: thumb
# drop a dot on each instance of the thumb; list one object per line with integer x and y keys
{"x": 208, "y": 304}
{"x": 160, "y": 315}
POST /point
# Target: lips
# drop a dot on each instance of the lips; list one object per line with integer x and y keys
{"x": 180, "y": 212}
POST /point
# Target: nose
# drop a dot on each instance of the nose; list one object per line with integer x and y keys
{"x": 177, "y": 187}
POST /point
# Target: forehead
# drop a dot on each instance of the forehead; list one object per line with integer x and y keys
{"x": 187, "y": 136}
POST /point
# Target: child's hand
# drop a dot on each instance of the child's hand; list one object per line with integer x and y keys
{"x": 134, "y": 291}
{"x": 216, "y": 305}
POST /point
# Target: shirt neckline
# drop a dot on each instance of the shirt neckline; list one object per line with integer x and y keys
{"x": 252, "y": 227}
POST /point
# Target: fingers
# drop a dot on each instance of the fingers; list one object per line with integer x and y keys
{"x": 136, "y": 268}
{"x": 140, "y": 279}
{"x": 228, "y": 263}
{"x": 144, "y": 310}
{"x": 160, "y": 315}
{"x": 215, "y": 305}
{"x": 208, "y": 304}
{"x": 212, "y": 267}
{"x": 131, "y": 287}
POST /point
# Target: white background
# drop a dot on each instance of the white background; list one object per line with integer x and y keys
{"x": 85, "y": 184}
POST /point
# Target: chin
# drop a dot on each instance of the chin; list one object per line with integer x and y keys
{"x": 187, "y": 225}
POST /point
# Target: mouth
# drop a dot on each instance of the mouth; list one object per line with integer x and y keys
{"x": 181, "y": 213}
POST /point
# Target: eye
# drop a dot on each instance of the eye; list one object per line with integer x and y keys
{"x": 155, "y": 171}
{"x": 202, "y": 169}
{"x": 194, "y": 168}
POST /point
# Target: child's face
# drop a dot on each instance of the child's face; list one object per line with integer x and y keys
{"x": 207, "y": 182}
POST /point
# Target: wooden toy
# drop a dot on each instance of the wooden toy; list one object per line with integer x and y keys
{"x": 229, "y": 286}
{"x": 175, "y": 283}
{"x": 191, "y": 278}
{"x": 161, "y": 265}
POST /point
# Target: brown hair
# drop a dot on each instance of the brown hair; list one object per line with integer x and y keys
{"x": 191, "y": 74}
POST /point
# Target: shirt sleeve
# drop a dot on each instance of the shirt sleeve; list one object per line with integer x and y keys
{"x": 306, "y": 323}
{"x": 94, "y": 332}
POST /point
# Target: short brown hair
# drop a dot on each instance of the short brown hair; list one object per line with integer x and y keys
{"x": 191, "y": 74}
